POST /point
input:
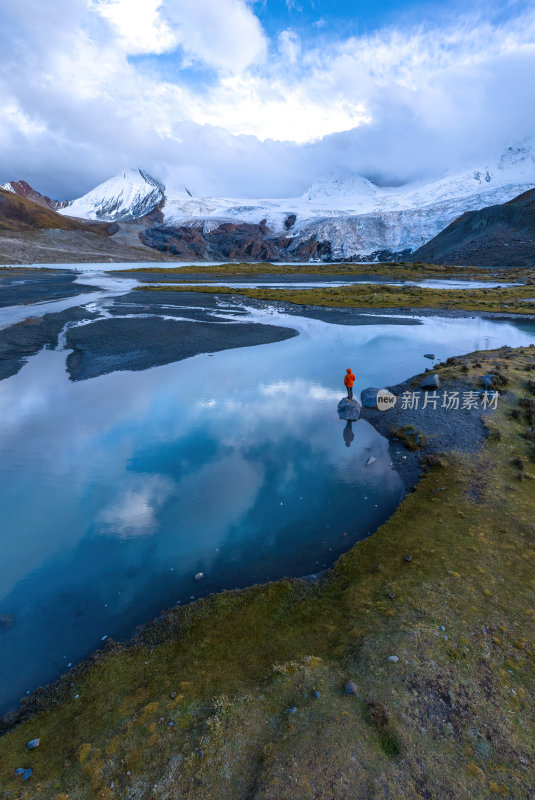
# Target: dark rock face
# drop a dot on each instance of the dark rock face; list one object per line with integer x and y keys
{"x": 184, "y": 242}
{"x": 289, "y": 222}
{"x": 502, "y": 235}
{"x": 380, "y": 255}
{"x": 231, "y": 241}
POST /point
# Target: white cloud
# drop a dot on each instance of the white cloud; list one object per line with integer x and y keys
{"x": 289, "y": 46}
{"x": 224, "y": 34}
{"x": 139, "y": 24}
{"x": 272, "y": 109}
{"x": 392, "y": 105}
{"x": 134, "y": 512}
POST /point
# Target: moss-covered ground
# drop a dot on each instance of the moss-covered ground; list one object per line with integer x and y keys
{"x": 390, "y": 269}
{"x": 253, "y": 681}
{"x": 515, "y": 299}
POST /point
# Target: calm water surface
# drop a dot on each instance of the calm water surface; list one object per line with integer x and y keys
{"x": 116, "y": 491}
{"x": 315, "y": 283}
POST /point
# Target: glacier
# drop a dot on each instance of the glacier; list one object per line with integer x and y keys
{"x": 356, "y": 216}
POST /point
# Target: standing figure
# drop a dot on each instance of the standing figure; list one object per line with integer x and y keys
{"x": 349, "y": 380}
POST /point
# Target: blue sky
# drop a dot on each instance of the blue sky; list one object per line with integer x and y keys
{"x": 353, "y": 16}
{"x": 260, "y": 98}
{"x": 322, "y": 22}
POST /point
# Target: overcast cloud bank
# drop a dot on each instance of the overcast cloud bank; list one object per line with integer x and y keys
{"x": 87, "y": 88}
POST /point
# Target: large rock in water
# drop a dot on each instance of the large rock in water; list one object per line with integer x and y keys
{"x": 349, "y": 409}
{"x": 369, "y": 397}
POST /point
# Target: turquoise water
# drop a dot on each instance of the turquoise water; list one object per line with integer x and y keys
{"x": 115, "y": 492}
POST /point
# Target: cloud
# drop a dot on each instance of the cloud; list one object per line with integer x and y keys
{"x": 139, "y": 25}
{"x": 225, "y": 34}
{"x": 289, "y": 46}
{"x": 135, "y": 511}
{"x": 269, "y": 117}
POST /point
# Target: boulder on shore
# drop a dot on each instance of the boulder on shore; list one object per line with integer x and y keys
{"x": 368, "y": 397}
{"x": 430, "y": 382}
{"x": 349, "y": 409}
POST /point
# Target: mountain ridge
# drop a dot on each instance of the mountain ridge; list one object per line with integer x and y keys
{"x": 487, "y": 236}
{"x": 32, "y": 233}
{"x": 347, "y": 216}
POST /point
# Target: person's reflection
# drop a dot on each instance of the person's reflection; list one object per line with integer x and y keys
{"x": 348, "y": 433}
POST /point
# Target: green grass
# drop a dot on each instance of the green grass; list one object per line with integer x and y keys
{"x": 410, "y": 437}
{"x": 516, "y": 300}
{"x": 393, "y": 269}
{"x": 454, "y": 717}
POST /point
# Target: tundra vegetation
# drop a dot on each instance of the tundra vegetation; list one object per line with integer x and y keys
{"x": 243, "y": 694}
{"x": 518, "y": 299}
{"x": 392, "y": 269}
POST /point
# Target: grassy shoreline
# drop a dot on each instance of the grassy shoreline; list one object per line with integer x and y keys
{"x": 515, "y": 300}
{"x": 454, "y": 716}
{"x": 392, "y": 269}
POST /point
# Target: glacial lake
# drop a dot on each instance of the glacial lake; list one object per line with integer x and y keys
{"x": 116, "y": 491}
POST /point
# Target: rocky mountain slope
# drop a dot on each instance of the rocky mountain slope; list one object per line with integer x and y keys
{"x": 494, "y": 236}
{"x": 19, "y": 213}
{"x": 348, "y": 216}
{"x": 30, "y": 232}
{"x": 23, "y": 189}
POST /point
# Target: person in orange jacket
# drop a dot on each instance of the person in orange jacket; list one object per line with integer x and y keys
{"x": 349, "y": 380}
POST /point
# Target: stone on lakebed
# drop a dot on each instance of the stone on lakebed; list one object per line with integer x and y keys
{"x": 349, "y": 409}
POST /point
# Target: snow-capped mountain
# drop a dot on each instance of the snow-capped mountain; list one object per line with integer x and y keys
{"x": 130, "y": 195}
{"x": 355, "y": 216}
{"x": 358, "y": 217}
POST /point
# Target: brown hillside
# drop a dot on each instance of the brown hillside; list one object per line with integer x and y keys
{"x": 21, "y": 214}
{"x": 496, "y": 236}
